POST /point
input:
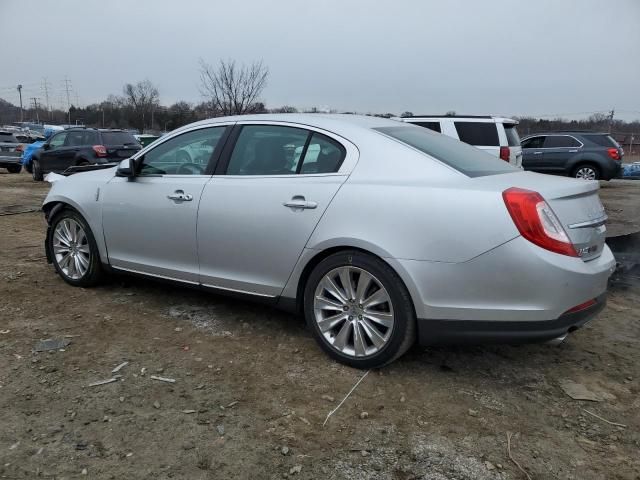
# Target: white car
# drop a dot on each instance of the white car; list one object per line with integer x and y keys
{"x": 495, "y": 135}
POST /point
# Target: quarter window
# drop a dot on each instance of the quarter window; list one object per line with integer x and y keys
{"x": 186, "y": 154}
{"x": 560, "y": 141}
{"x": 478, "y": 133}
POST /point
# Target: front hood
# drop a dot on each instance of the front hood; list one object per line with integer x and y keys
{"x": 102, "y": 174}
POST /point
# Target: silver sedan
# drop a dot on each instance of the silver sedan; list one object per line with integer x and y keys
{"x": 380, "y": 233}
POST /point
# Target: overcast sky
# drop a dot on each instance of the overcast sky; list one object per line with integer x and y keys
{"x": 540, "y": 57}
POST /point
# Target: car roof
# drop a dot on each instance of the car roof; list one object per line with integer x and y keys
{"x": 468, "y": 118}
{"x": 568, "y": 132}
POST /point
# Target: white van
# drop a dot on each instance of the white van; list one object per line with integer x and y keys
{"x": 495, "y": 135}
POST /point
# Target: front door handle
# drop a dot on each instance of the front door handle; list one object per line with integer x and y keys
{"x": 180, "y": 196}
{"x": 300, "y": 202}
{"x": 537, "y": 153}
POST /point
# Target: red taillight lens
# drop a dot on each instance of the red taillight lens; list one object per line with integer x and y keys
{"x": 582, "y": 306}
{"x": 505, "y": 153}
{"x": 20, "y": 148}
{"x": 536, "y": 222}
{"x": 613, "y": 153}
{"x": 101, "y": 150}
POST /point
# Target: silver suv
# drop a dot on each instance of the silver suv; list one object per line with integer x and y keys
{"x": 495, "y": 135}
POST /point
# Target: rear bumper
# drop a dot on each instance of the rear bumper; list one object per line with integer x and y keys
{"x": 10, "y": 161}
{"x": 444, "y": 332}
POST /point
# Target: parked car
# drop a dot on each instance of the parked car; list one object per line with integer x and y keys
{"x": 385, "y": 234}
{"x": 495, "y": 135}
{"x": 82, "y": 146}
{"x": 10, "y": 152}
{"x": 585, "y": 155}
{"x": 145, "y": 138}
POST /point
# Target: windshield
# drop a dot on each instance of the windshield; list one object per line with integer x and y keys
{"x": 466, "y": 159}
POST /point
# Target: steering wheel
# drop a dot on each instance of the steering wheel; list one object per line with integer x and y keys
{"x": 190, "y": 169}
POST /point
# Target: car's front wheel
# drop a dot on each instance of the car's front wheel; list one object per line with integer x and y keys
{"x": 74, "y": 250}
{"x": 359, "y": 310}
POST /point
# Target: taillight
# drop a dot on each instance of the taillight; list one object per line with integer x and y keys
{"x": 20, "y": 148}
{"x": 101, "y": 150}
{"x": 582, "y": 306}
{"x": 505, "y": 153}
{"x": 613, "y": 153}
{"x": 536, "y": 222}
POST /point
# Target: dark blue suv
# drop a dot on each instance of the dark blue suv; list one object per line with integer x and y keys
{"x": 585, "y": 155}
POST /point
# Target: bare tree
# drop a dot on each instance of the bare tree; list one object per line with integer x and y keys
{"x": 143, "y": 98}
{"x": 232, "y": 89}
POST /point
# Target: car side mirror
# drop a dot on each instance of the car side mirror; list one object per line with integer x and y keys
{"x": 126, "y": 168}
{"x": 46, "y": 146}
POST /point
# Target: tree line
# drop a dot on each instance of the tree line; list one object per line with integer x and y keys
{"x": 229, "y": 88}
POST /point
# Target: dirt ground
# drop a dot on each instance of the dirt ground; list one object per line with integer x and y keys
{"x": 252, "y": 389}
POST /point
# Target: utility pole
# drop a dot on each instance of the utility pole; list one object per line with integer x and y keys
{"x": 45, "y": 87}
{"x": 35, "y": 105}
{"x": 611, "y": 114}
{"x": 21, "y": 113}
{"x": 67, "y": 87}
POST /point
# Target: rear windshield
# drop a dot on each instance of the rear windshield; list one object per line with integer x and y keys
{"x": 478, "y": 133}
{"x": 118, "y": 138}
{"x": 7, "y": 137}
{"x": 464, "y": 158}
{"x": 603, "y": 140}
{"x": 435, "y": 126}
{"x": 513, "y": 139}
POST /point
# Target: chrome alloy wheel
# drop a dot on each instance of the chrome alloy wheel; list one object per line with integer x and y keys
{"x": 353, "y": 311}
{"x": 71, "y": 248}
{"x": 586, "y": 173}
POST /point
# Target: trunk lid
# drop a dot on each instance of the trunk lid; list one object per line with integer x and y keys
{"x": 575, "y": 202}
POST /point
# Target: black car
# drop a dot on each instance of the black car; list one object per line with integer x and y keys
{"x": 82, "y": 146}
{"x": 586, "y": 155}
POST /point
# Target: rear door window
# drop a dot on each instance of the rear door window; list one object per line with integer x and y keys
{"x": 560, "y": 141}
{"x": 466, "y": 159}
{"x": 533, "y": 142}
{"x": 513, "y": 139}
{"x": 435, "y": 126}
{"x": 478, "y": 133}
{"x": 323, "y": 155}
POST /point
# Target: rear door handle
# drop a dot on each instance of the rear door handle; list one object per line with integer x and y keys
{"x": 299, "y": 202}
{"x": 537, "y": 153}
{"x": 180, "y": 196}
{"x": 573, "y": 151}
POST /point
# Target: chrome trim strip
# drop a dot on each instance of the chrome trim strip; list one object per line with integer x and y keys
{"x": 164, "y": 277}
{"x": 591, "y": 223}
{"x": 236, "y": 290}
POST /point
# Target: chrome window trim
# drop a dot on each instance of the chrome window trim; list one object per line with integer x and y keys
{"x": 551, "y": 135}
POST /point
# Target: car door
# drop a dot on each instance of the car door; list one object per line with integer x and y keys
{"x": 53, "y": 150}
{"x": 532, "y": 153}
{"x": 258, "y": 212}
{"x": 558, "y": 150}
{"x": 149, "y": 222}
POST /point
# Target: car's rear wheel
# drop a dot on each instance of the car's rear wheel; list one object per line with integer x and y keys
{"x": 359, "y": 310}
{"x": 586, "y": 172}
{"x": 14, "y": 168}
{"x": 36, "y": 171}
{"x": 74, "y": 250}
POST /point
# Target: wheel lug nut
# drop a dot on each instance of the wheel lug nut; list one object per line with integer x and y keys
{"x": 359, "y": 317}
{"x": 350, "y": 317}
{"x": 345, "y": 308}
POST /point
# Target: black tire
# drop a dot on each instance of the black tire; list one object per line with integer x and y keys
{"x": 403, "y": 332}
{"x": 36, "y": 171}
{"x": 29, "y": 168}
{"x": 14, "y": 168}
{"x": 580, "y": 170}
{"x": 94, "y": 273}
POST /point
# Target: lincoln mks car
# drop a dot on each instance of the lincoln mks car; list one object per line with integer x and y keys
{"x": 381, "y": 234}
